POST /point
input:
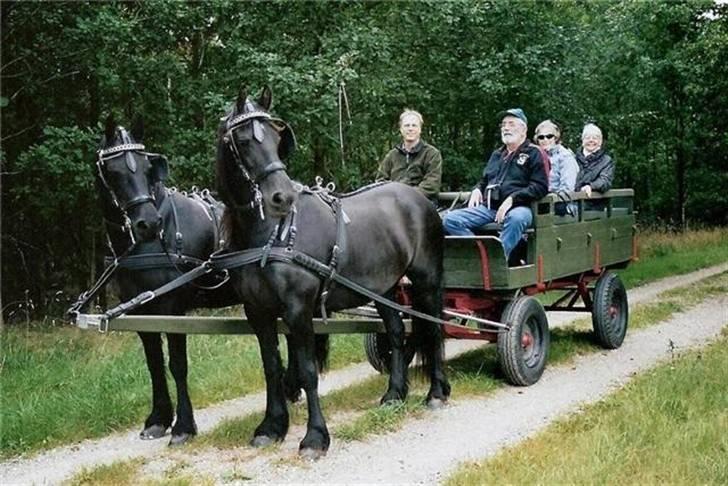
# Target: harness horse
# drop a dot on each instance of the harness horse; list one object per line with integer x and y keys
{"x": 295, "y": 250}
{"x": 156, "y": 234}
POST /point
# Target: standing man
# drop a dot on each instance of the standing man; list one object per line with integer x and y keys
{"x": 413, "y": 162}
{"x": 514, "y": 177}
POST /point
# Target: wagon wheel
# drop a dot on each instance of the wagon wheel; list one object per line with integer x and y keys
{"x": 523, "y": 349}
{"x": 610, "y": 314}
{"x": 379, "y": 351}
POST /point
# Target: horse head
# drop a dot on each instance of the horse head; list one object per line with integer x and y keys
{"x": 252, "y": 144}
{"x": 129, "y": 178}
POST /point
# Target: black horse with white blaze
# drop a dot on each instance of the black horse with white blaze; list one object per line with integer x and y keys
{"x": 372, "y": 237}
{"x": 157, "y": 234}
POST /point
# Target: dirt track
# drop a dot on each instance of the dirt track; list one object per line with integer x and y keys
{"x": 403, "y": 456}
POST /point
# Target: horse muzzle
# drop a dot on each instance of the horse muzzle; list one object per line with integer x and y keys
{"x": 280, "y": 203}
{"x": 146, "y": 223}
{"x": 279, "y": 194}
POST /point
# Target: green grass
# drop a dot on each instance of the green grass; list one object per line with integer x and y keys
{"x": 667, "y": 426}
{"x": 127, "y": 473}
{"x": 662, "y": 254}
{"x": 61, "y": 385}
{"x": 120, "y": 473}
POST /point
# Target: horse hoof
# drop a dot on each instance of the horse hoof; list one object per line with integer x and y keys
{"x": 310, "y": 454}
{"x": 180, "y": 439}
{"x": 436, "y": 403}
{"x": 262, "y": 441}
{"x": 153, "y": 432}
{"x": 391, "y": 401}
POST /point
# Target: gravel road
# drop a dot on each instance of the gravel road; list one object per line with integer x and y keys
{"x": 401, "y": 457}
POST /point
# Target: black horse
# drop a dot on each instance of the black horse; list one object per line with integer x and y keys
{"x": 392, "y": 230}
{"x": 157, "y": 234}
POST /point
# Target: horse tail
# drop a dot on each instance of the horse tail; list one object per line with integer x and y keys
{"x": 426, "y": 274}
{"x": 427, "y": 337}
{"x": 322, "y": 352}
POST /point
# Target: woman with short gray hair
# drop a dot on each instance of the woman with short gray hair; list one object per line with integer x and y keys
{"x": 596, "y": 167}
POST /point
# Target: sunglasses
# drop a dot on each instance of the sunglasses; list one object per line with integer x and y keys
{"x": 548, "y": 135}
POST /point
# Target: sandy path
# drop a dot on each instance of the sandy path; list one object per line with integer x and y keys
{"x": 58, "y": 464}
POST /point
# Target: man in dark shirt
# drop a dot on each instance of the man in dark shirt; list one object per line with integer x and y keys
{"x": 514, "y": 177}
{"x": 413, "y": 162}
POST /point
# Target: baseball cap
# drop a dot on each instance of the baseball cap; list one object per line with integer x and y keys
{"x": 517, "y": 112}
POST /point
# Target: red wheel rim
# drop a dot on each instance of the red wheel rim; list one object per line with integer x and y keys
{"x": 526, "y": 340}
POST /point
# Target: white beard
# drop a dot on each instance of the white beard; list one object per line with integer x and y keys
{"x": 509, "y": 139}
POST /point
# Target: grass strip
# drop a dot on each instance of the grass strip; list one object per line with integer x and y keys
{"x": 120, "y": 473}
{"x": 666, "y": 426}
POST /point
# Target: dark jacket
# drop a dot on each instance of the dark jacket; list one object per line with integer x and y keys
{"x": 421, "y": 167}
{"x": 521, "y": 175}
{"x": 595, "y": 170}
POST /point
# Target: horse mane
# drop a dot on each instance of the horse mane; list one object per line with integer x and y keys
{"x": 366, "y": 188}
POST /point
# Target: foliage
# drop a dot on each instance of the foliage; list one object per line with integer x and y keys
{"x": 653, "y": 74}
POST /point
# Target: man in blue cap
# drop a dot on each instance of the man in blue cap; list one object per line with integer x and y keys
{"x": 514, "y": 177}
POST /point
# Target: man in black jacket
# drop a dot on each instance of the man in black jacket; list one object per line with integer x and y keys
{"x": 514, "y": 177}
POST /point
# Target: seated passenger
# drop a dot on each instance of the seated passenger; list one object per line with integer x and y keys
{"x": 413, "y": 161}
{"x": 596, "y": 167}
{"x": 562, "y": 178}
{"x": 513, "y": 178}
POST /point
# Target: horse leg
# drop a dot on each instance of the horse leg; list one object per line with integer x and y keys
{"x": 398, "y": 387}
{"x": 274, "y": 426}
{"x": 160, "y": 419}
{"x": 427, "y": 298}
{"x": 184, "y": 427}
{"x": 291, "y": 382}
{"x": 300, "y": 320}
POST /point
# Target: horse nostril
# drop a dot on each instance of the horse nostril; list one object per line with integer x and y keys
{"x": 278, "y": 198}
{"x": 142, "y": 225}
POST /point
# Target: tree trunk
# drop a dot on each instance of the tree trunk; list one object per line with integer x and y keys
{"x": 680, "y": 164}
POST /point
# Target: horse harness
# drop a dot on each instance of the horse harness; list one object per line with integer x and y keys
{"x": 279, "y": 248}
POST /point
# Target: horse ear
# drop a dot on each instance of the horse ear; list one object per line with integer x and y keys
{"x": 266, "y": 98}
{"x": 137, "y": 129}
{"x": 160, "y": 167}
{"x": 287, "y": 144}
{"x": 242, "y": 98}
{"x": 110, "y": 129}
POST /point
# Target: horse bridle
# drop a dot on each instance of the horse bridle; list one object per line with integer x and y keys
{"x": 117, "y": 151}
{"x": 253, "y": 178}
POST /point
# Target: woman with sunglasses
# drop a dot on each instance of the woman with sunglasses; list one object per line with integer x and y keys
{"x": 562, "y": 178}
